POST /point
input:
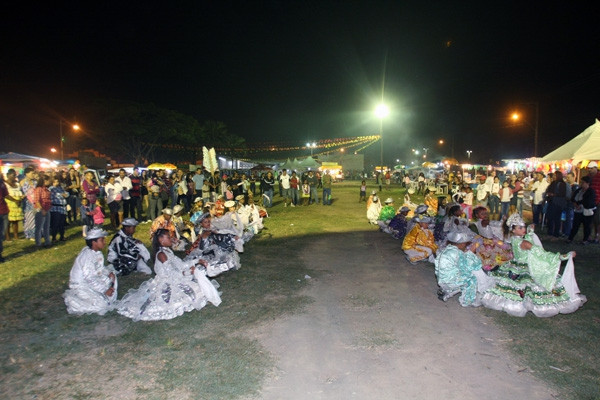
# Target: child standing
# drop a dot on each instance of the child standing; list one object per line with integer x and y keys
{"x": 98, "y": 215}
{"x": 363, "y": 192}
{"x": 86, "y": 216}
{"x": 505, "y": 196}
{"x": 305, "y": 193}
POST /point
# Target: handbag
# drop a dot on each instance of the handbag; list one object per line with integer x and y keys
{"x": 588, "y": 212}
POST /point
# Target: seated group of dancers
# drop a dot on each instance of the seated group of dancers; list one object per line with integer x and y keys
{"x": 501, "y": 265}
{"x": 180, "y": 285}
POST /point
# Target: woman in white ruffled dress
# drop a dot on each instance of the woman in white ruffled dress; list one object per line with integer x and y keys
{"x": 179, "y": 286}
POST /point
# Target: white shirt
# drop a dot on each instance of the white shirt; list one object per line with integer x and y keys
{"x": 126, "y": 185}
{"x": 285, "y": 181}
{"x": 112, "y": 191}
{"x": 539, "y": 188}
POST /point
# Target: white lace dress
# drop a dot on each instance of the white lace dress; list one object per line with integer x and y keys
{"x": 173, "y": 291}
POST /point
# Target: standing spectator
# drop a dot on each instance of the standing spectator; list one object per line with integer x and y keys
{"x": 584, "y": 201}
{"x": 388, "y": 179}
{"x": 155, "y": 205}
{"x": 305, "y": 193}
{"x": 284, "y": 183}
{"x": 126, "y": 185}
{"x": 90, "y": 188}
{"x": 505, "y": 196}
{"x": 557, "y": 201}
{"x": 114, "y": 201}
{"x": 294, "y": 185}
{"x": 13, "y": 200}
{"x": 363, "y": 191}
{"x": 572, "y": 186}
{"x": 144, "y": 189}
{"x": 3, "y": 213}
{"x": 494, "y": 199}
{"x": 58, "y": 211}
{"x": 87, "y": 217}
{"x": 28, "y": 185}
{"x": 73, "y": 184}
{"x": 135, "y": 202}
{"x": 538, "y": 188}
{"x": 42, "y": 203}
{"x": 198, "y": 179}
{"x": 312, "y": 182}
{"x": 253, "y": 180}
{"x": 483, "y": 192}
{"x": 267, "y": 185}
{"x": 326, "y": 181}
{"x": 592, "y": 168}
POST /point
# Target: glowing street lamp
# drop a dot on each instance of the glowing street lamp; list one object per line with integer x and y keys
{"x": 75, "y": 127}
{"x": 381, "y": 111}
{"x": 516, "y": 117}
{"x": 469, "y": 154}
{"x": 311, "y": 146}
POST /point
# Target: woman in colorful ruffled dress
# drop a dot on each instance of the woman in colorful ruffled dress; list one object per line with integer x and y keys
{"x": 179, "y": 286}
{"x": 531, "y": 280}
{"x": 489, "y": 245}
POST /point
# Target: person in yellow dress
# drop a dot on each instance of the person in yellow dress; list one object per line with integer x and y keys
{"x": 13, "y": 200}
{"x": 419, "y": 243}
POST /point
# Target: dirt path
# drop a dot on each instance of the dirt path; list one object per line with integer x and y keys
{"x": 376, "y": 330}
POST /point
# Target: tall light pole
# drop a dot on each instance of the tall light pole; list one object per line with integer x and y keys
{"x": 381, "y": 111}
{"x": 311, "y": 146}
{"x": 469, "y": 154}
{"x": 75, "y": 127}
{"x": 425, "y": 149}
{"x": 516, "y": 117}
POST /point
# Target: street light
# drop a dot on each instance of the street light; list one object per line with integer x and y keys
{"x": 381, "y": 111}
{"x": 425, "y": 149}
{"x": 75, "y": 127}
{"x": 469, "y": 154}
{"x": 516, "y": 117}
{"x": 311, "y": 146}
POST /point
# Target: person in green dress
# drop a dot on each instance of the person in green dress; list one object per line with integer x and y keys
{"x": 531, "y": 280}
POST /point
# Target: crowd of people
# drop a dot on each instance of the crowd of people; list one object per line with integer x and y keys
{"x": 212, "y": 239}
{"x": 489, "y": 256}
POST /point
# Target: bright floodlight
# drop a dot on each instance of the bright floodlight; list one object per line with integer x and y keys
{"x": 382, "y": 111}
{"x": 76, "y": 127}
{"x": 515, "y": 116}
{"x": 307, "y": 144}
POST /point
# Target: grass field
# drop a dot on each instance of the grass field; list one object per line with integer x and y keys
{"x": 209, "y": 354}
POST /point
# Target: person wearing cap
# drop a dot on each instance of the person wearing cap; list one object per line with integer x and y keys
{"x": 419, "y": 243}
{"x": 92, "y": 285}
{"x": 374, "y": 210}
{"x": 398, "y": 225}
{"x": 127, "y": 254}
{"x": 458, "y": 270}
{"x": 230, "y": 223}
{"x": 165, "y": 222}
{"x": 592, "y": 169}
{"x": 370, "y": 199}
{"x": 531, "y": 280}
{"x": 386, "y": 214}
{"x": 178, "y": 287}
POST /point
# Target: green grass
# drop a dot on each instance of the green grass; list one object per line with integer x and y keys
{"x": 210, "y": 354}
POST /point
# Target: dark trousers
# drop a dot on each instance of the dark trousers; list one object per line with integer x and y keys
{"x": 553, "y": 216}
{"x": 579, "y": 219}
{"x": 57, "y": 224}
{"x": 538, "y": 209}
{"x": 126, "y": 207}
{"x": 135, "y": 208}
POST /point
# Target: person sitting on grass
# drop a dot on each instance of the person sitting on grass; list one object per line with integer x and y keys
{"x": 374, "y": 210}
{"x": 398, "y": 225}
{"x": 92, "y": 285}
{"x": 217, "y": 249}
{"x": 458, "y": 270}
{"x": 419, "y": 244}
{"x": 127, "y": 254}
{"x": 179, "y": 286}
{"x": 386, "y": 214}
{"x": 531, "y": 280}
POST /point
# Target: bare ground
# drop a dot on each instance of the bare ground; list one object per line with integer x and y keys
{"x": 376, "y": 330}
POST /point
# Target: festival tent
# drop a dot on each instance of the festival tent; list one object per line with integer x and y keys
{"x": 286, "y": 165}
{"x": 295, "y": 164}
{"x": 585, "y": 146}
{"x": 309, "y": 162}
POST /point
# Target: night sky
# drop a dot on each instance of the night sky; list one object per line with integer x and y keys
{"x": 293, "y": 72}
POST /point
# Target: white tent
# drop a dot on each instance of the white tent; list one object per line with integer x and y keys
{"x": 585, "y": 146}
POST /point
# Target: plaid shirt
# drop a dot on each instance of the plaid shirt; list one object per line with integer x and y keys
{"x": 59, "y": 203}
